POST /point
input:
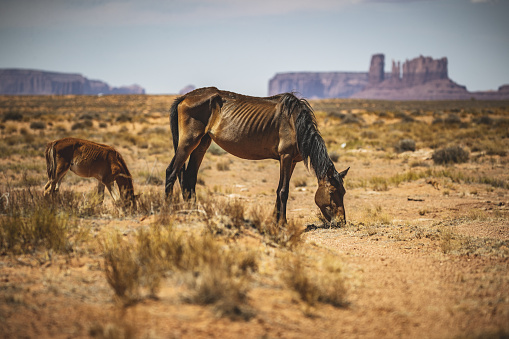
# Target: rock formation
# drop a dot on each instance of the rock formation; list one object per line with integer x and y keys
{"x": 376, "y": 70}
{"x": 423, "y": 69}
{"x": 422, "y": 78}
{"x": 21, "y": 81}
{"x": 319, "y": 85}
{"x": 187, "y": 89}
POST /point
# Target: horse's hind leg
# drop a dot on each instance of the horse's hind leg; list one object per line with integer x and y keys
{"x": 184, "y": 150}
{"x": 193, "y": 165}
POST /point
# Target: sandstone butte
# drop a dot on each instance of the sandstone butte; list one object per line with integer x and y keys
{"x": 422, "y": 78}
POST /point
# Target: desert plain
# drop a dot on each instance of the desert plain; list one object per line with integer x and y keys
{"x": 424, "y": 252}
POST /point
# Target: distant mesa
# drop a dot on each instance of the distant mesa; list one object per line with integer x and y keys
{"x": 422, "y": 78}
{"x": 34, "y": 82}
{"x": 187, "y": 89}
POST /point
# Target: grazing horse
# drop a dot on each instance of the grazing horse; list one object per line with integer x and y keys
{"x": 88, "y": 159}
{"x": 281, "y": 127}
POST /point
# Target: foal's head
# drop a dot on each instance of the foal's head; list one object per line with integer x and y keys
{"x": 126, "y": 188}
{"x": 330, "y": 193}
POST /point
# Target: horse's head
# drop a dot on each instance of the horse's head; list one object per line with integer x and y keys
{"x": 330, "y": 193}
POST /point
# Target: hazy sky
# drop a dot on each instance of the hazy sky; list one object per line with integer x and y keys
{"x": 239, "y": 45}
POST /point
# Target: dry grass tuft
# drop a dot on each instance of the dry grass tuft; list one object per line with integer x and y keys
{"x": 121, "y": 268}
{"x": 287, "y": 235}
{"x": 325, "y": 284}
{"x": 213, "y": 273}
{"x": 234, "y": 209}
{"x": 42, "y": 228}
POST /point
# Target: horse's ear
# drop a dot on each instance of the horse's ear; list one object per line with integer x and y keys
{"x": 343, "y": 174}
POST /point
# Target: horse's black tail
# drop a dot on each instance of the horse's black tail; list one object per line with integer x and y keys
{"x": 174, "y": 121}
{"x": 174, "y": 125}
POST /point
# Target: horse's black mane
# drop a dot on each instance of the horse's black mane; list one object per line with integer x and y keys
{"x": 311, "y": 145}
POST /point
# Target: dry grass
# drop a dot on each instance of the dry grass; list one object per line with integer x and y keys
{"x": 287, "y": 235}
{"x": 214, "y": 274}
{"x": 220, "y": 252}
{"x": 319, "y": 283}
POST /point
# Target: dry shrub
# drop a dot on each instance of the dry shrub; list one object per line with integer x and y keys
{"x": 446, "y": 239}
{"x": 319, "y": 283}
{"x": 119, "y": 329}
{"x": 43, "y": 227}
{"x": 223, "y": 165}
{"x": 287, "y": 235}
{"x": 450, "y": 155}
{"x": 212, "y": 273}
{"x": 234, "y": 209}
{"x": 219, "y": 276}
{"x": 121, "y": 268}
{"x": 452, "y": 119}
{"x": 350, "y": 118}
{"x": 373, "y": 217}
{"x": 334, "y": 156}
{"x": 82, "y": 125}
{"x": 300, "y": 182}
{"x": 12, "y": 116}
{"x": 405, "y": 145}
{"x": 130, "y": 267}
{"x": 158, "y": 250}
{"x": 38, "y": 125}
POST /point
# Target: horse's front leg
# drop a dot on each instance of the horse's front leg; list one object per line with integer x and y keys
{"x": 285, "y": 173}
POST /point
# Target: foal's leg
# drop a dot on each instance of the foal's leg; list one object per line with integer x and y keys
{"x": 53, "y": 185}
{"x": 285, "y": 173}
{"x": 191, "y": 172}
{"x": 111, "y": 191}
{"x": 100, "y": 192}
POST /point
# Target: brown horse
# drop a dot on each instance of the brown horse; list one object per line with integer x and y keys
{"x": 281, "y": 127}
{"x": 88, "y": 159}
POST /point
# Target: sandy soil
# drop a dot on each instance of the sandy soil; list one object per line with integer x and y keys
{"x": 400, "y": 283}
{"x": 436, "y": 267}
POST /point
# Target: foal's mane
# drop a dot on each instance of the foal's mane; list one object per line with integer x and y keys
{"x": 311, "y": 145}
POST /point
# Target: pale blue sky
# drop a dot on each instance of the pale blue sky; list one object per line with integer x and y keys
{"x": 239, "y": 45}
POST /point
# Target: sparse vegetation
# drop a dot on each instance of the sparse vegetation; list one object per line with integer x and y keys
{"x": 175, "y": 266}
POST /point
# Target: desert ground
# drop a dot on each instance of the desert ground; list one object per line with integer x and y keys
{"x": 424, "y": 252}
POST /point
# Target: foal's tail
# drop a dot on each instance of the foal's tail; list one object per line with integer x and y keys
{"x": 51, "y": 160}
